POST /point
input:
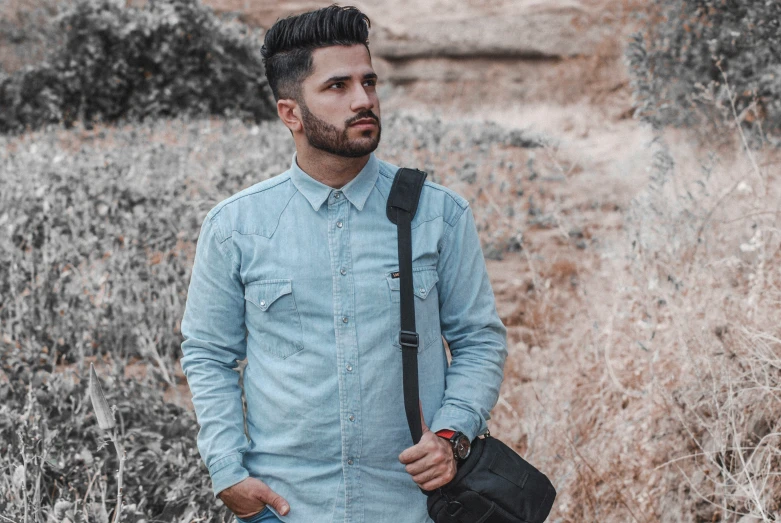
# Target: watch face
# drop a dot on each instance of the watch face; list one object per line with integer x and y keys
{"x": 462, "y": 447}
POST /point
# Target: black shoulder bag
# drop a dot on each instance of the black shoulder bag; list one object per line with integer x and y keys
{"x": 493, "y": 484}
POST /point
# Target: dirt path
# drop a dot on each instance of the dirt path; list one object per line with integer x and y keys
{"x": 572, "y": 249}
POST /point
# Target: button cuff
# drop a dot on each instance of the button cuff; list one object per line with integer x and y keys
{"x": 227, "y": 472}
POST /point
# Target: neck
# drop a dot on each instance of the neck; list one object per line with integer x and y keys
{"x": 329, "y": 169}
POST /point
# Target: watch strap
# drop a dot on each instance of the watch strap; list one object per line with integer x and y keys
{"x": 445, "y": 433}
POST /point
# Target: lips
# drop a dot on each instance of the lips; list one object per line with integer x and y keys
{"x": 364, "y": 122}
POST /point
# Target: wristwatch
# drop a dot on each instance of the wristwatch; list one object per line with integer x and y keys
{"x": 458, "y": 440}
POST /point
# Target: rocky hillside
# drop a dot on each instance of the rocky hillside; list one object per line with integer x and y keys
{"x": 474, "y": 54}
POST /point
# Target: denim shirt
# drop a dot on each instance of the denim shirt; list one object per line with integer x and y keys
{"x": 297, "y": 277}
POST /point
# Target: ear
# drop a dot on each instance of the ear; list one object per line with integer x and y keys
{"x": 290, "y": 114}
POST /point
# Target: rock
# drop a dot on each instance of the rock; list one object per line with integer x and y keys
{"x": 498, "y": 51}
{"x": 528, "y": 29}
{"x": 457, "y": 28}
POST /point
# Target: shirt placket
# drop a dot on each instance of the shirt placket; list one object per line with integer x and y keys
{"x": 348, "y": 367}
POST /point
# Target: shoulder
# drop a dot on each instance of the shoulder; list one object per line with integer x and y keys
{"x": 254, "y": 210}
{"x": 435, "y": 200}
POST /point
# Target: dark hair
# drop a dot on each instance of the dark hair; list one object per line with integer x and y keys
{"x": 288, "y": 45}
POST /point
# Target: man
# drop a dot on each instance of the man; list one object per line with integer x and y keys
{"x": 299, "y": 274}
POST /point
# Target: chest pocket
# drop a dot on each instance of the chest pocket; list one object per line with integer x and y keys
{"x": 424, "y": 281}
{"x": 272, "y": 317}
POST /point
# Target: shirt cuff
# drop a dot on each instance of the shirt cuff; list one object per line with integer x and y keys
{"x": 458, "y": 419}
{"x": 226, "y": 472}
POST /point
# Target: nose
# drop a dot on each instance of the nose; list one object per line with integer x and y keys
{"x": 362, "y": 100}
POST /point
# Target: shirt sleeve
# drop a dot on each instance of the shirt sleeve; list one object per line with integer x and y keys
{"x": 475, "y": 334}
{"x": 214, "y": 339}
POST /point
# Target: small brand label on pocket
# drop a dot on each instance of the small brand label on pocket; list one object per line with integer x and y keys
{"x": 394, "y": 275}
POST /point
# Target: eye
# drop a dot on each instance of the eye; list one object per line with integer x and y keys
{"x": 336, "y": 84}
{"x": 371, "y": 82}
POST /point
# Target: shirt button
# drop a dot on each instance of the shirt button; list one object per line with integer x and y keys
{"x": 422, "y": 291}
{"x": 337, "y": 195}
{"x": 349, "y": 462}
{"x": 351, "y": 418}
{"x": 262, "y": 303}
{"x": 349, "y": 368}
{"x": 343, "y": 271}
{"x": 339, "y": 224}
{"x": 344, "y": 319}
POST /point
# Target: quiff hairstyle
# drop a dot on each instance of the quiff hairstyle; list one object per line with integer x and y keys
{"x": 288, "y": 44}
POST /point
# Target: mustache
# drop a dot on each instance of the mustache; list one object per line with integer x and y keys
{"x": 364, "y": 116}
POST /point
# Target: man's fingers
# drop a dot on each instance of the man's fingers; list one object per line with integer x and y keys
{"x": 416, "y": 467}
{"x": 250, "y": 496}
{"x": 414, "y": 453}
{"x": 430, "y": 455}
{"x": 441, "y": 472}
{"x": 426, "y": 445}
{"x": 435, "y": 476}
{"x": 270, "y": 497}
{"x": 433, "y": 484}
{"x": 429, "y": 473}
{"x": 426, "y": 476}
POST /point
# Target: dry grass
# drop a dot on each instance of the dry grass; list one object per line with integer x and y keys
{"x": 646, "y": 377}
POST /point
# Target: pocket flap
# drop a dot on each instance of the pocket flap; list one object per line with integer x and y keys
{"x": 507, "y": 466}
{"x": 265, "y": 292}
{"x": 423, "y": 280}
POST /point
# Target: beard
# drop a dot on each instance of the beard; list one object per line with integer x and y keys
{"x": 326, "y": 137}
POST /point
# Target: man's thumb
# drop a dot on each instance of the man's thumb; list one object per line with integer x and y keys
{"x": 270, "y": 497}
{"x": 422, "y": 421}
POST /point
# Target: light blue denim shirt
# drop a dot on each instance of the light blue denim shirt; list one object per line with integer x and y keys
{"x": 297, "y": 277}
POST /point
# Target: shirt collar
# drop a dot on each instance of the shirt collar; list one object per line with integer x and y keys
{"x": 356, "y": 190}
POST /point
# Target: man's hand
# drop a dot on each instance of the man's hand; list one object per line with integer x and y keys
{"x": 250, "y": 496}
{"x": 431, "y": 462}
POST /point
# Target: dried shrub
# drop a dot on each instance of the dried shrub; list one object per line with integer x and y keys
{"x": 704, "y": 290}
{"x": 27, "y": 31}
{"x": 166, "y": 58}
{"x": 59, "y": 465}
{"x": 99, "y": 227}
{"x": 679, "y": 61}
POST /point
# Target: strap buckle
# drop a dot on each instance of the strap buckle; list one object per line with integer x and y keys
{"x": 409, "y": 339}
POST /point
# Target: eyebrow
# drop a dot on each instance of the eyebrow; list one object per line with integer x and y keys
{"x": 367, "y": 76}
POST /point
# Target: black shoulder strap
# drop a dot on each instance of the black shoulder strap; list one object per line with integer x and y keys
{"x": 405, "y": 192}
{"x": 402, "y": 205}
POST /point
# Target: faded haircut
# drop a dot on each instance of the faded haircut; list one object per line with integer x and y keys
{"x": 288, "y": 44}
